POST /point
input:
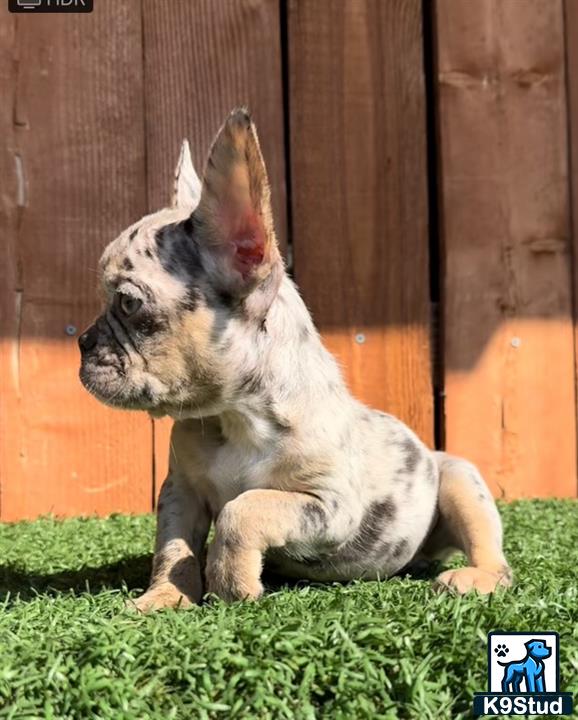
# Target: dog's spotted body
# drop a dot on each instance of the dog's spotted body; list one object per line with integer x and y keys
{"x": 202, "y": 324}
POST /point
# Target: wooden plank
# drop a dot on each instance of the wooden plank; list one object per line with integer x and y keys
{"x": 73, "y": 156}
{"x": 571, "y": 18}
{"x": 202, "y": 59}
{"x": 510, "y": 399}
{"x": 359, "y": 195}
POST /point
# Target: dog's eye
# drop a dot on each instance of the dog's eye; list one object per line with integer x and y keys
{"x": 129, "y": 304}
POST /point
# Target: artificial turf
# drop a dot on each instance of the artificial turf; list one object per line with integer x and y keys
{"x": 390, "y": 649}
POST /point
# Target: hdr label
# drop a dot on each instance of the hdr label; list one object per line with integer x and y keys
{"x": 50, "y": 6}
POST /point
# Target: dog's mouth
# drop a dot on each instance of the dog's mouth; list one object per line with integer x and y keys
{"x": 112, "y": 387}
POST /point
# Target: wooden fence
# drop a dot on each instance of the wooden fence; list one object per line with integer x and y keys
{"x": 424, "y": 162}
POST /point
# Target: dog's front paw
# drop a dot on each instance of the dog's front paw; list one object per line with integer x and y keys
{"x": 159, "y": 597}
{"x": 234, "y": 575}
{"x": 468, "y": 579}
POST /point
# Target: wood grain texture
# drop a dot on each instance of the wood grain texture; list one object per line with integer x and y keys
{"x": 571, "y": 24}
{"x": 72, "y": 169}
{"x": 202, "y": 59}
{"x": 359, "y": 195}
{"x": 510, "y": 399}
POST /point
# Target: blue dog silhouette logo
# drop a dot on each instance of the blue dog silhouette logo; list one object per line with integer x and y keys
{"x": 523, "y": 676}
{"x": 528, "y": 670}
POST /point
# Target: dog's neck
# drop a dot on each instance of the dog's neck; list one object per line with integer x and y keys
{"x": 286, "y": 374}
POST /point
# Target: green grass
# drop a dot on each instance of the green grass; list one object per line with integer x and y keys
{"x": 364, "y": 650}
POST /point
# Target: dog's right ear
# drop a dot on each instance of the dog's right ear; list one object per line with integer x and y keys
{"x": 187, "y": 186}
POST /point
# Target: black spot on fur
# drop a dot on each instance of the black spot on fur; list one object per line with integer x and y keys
{"x": 411, "y": 453}
{"x": 432, "y": 471}
{"x": 149, "y": 253}
{"x": 191, "y": 299}
{"x": 133, "y": 234}
{"x": 161, "y": 237}
{"x": 382, "y": 549}
{"x": 476, "y": 480}
{"x": 314, "y": 518}
{"x": 225, "y": 299}
{"x": 187, "y": 226}
{"x": 147, "y": 322}
{"x": 387, "y": 508}
{"x": 146, "y": 395}
{"x": 400, "y": 548}
{"x": 481, "y": 496}
{"x": 127, "y": 264}
{"x": 178, "y": 253}
{"x": 250, "y": 384}
{"x": 370, "y": 532}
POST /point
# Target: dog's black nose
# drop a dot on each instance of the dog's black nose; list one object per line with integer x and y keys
{"x": 88, "y": 339}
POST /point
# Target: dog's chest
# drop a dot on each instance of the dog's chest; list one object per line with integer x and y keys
{"x": 232, "y": 470}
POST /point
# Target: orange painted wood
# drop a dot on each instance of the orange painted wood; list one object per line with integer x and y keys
{"x": 509, "y": 356}
{"x": 72, "y": 169}
{"x": 571, "y": 17}
{"x": 359, "y": 195}
{"x": 202, "y": 59}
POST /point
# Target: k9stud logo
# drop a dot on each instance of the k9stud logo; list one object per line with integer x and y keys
{"x": 523, "y": 676}
{"x": 50, "y": 6}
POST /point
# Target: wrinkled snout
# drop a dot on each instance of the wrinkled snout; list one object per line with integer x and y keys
{"x": 101, "y": 367}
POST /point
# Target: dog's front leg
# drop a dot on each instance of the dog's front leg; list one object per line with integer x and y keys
{"x": 250, "y": 524}
{"x": 183, "y": 522}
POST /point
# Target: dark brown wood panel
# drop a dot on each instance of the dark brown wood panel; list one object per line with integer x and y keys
{"x": 509, "y": 356}
{"x": 73, "y": 172}
{"x": 202, "y": 59}
{"x": 359, "y": 194}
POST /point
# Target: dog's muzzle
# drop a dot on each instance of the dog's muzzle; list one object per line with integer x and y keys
{"x": 87, "y": 341}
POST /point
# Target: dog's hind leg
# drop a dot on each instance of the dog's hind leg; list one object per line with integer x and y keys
{"x": 468, "y": 521}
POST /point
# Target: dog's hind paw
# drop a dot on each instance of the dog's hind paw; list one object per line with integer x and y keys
{"x": 468, "y": 579}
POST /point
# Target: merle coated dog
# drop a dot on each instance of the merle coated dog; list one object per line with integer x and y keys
{"x": 203, "y": 324}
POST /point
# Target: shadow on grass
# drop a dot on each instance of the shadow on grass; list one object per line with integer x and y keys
{"x": 422, "y": 570}
{"x": 130, "y": 572}
{"x": 133, "y": 573}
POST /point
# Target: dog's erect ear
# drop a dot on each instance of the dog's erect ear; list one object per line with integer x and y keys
{"x": 234, "y": 215}
{"x": 187, "y": 187}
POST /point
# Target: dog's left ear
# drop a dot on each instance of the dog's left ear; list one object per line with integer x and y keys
{"x": 233, "y": 219}
{"x": 187, "y": 186}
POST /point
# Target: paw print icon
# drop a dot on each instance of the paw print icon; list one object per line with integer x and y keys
{"x": 501, "y": 650}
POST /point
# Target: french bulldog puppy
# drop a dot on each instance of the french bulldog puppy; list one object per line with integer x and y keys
{"x": 202, "y": 324}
